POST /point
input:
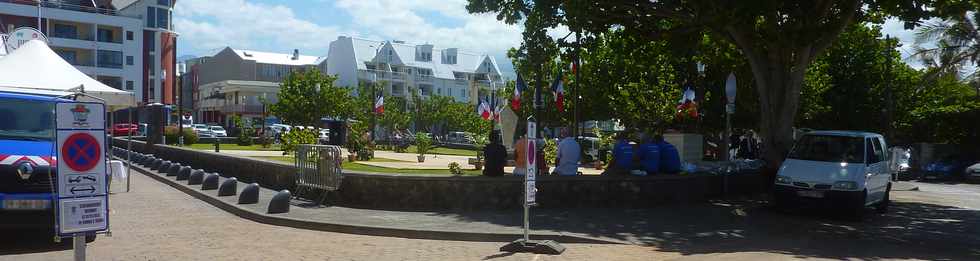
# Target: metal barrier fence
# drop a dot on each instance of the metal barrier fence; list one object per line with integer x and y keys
{"x": 318, "y": 169}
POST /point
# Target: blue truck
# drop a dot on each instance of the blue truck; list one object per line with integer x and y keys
{"x": 28, "y": 166}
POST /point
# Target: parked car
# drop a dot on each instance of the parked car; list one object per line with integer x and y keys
{"x": 460, "y": 138}
{"x": 901, "y": 164}
{"x": 217, "y": 131}
{"x": 324, "y": 136}
{"x": 839, "y": 169}
{"x": 949, "y": 167}
{"x": 972, "y": 173}
{"x": 198, "y": 128}
{"x": 124, "y": 129}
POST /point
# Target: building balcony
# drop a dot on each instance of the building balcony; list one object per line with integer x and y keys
{"x": 423, "y": 78}
{"x": 242, "y": 108}
{"x": 72, "y": 5}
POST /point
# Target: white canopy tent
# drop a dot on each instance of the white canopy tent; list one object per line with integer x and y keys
{"x": 35, "y": 68}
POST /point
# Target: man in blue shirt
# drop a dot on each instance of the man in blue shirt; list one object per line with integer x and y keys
{"x": 649, "y": 155}
{"x": 622, "y": 162}
{"x": 670, "y": 159}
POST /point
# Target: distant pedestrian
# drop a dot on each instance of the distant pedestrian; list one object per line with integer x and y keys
{"x": 569, "y": 153}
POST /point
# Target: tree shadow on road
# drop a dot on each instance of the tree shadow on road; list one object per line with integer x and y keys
{"x": 908, "y": 230}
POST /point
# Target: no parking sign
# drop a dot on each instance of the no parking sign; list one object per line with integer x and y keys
{"x": 82, "y": 198}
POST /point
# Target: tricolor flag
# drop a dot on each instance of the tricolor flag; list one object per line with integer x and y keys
{"x": 379, "y": 104}
{"x": 484, "y": 110}
{"x": 559, "y": 87}
{"x": 519, "y": 87}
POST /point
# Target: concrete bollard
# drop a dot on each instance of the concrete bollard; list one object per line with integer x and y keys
{"x": 148, "y": 160}
{"x": 185, "y": 172}
{"x": 249, "y": 195}
{"x": 187, "y": 175}
{"x": 280, "y": 202}
{"x": 155, "y": 163}
{"x": 196, "y": 178}
{"x": 172, "y": 171}
{"x": 228, "y": 187}
{"x": 210, "y": 181}
{"x": 164, "y": 164}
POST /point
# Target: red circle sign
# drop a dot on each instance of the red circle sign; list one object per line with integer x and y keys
{"x": 531, "y": 154}
{"x": 81, "y": 152}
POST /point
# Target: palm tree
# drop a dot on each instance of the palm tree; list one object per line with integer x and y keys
{"x": 951, "y": 47}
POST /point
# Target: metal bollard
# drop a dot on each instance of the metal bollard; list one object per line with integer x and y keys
{"x": 249, "y": 195}
{"x": 228, "y": 187}
{"x": 184, "y": 172}
{"x": 196, "y": 178}
{"x": 210, "y": 181}
{"x": 187, "y": 175}
{"x": 217, "y": 145}
{"x": 164, "y": 166}
{"x": 172, "y": 171}
{"x": 280, "y": 202}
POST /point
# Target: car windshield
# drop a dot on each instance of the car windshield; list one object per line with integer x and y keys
{"x": 829, "y": 148}
{"x": 26, "y": 119}
{"x": 217, "y": 128}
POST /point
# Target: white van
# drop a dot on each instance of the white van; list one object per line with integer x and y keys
{"x": 841, "y": 169}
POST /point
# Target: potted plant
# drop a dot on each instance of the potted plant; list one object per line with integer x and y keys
{"x": 422, "y": 144}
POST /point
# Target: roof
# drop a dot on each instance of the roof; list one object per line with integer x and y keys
{"x": 843, "y": 133}
{"x": 15, "y": 94}
{"x": 466, "y": 61}
{"x": 275, "y": 58}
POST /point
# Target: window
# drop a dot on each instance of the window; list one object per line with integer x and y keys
{"x": 163, "y": 17}
{"x": 105, "y": 35}
{"x": 152, "y": 44}
{"x": 65, "y": 31}
{"x": 151, "y": 17}
{"x": 829, "y": 148}
{"x": 129, "y": 35}
{"x": 163, "y": 2}
{"x": 152, "y": 65}
{"x": 114, "y": 82}
{"x": 439, "y": 91}
{"x": 69, "y": 56}
{"x": 129, "y": 60}
{"x": 110, "y": 59}
{"x": 875, "y": 153}
{"x": 129, "y": 85}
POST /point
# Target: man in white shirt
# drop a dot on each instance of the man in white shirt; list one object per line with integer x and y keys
{"x": 569, "y": 153}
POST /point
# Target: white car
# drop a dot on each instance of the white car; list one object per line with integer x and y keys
{"x": 840, "y": 169}
{"x": 324, "y": 136}
{"x": 201, "y": 130}
{"x": 217, "y": 131}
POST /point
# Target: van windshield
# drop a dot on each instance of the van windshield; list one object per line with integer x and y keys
{"x": 26, "y": 119}
{"x": 829, "y": 148}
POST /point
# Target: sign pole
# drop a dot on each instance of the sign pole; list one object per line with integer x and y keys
{"x": 525, "y": 244}
{"x": 79, "y": 247}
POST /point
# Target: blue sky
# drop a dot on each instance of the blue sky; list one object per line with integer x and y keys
{"x": 310, "y": 26}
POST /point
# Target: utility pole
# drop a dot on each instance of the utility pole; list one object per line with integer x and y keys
{"x": 889, "y": 98}
{"x": 576, "y": 62}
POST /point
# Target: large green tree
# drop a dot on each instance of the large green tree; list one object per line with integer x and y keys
{"x": 306, "y": 96}
{"x": 779, "y": 39}
{"x": 952, "y": 46}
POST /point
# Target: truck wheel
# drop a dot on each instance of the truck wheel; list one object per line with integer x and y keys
{"x": 882, "y": 206}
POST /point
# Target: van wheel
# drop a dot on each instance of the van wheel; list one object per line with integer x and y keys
{"x": 882, "y": 206}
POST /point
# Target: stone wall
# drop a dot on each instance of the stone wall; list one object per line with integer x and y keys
{"x": 401, "y": 192}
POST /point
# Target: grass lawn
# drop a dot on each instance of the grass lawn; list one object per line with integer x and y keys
{"x": 445, "y": 151}
{"x": 359, "y": 167}
{"x": 209, "y": 146}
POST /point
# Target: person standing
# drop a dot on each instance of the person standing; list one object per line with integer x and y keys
{"x": 569, "y": 153}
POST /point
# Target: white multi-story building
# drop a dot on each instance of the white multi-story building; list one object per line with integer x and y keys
{"x": 402, "y": 68}
{"x": 109, "y": 40}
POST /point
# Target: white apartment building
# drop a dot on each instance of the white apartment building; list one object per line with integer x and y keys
{"x": 401, "y": 67}
{"x": 105, "y": 39}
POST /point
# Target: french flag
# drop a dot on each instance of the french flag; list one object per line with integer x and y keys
{"x": 559, "y": 87}
{"x": 484, "y": 110}
{"x": 379, "y": 105}
{"x": 519, "y": 87}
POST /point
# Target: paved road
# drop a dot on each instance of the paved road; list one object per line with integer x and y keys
{"x": 156, "y": 222}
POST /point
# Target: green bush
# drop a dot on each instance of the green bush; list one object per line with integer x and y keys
{"x": 292, "y": 139}
{"x": 245, "y": 133}
{"x": 550, "y": 151}
{"x": 455, "y": 169}
{"x": 423, "y": 143}
{"x": 170, "y": 132}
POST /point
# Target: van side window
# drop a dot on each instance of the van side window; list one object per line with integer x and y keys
{"x": 875, "y": 153}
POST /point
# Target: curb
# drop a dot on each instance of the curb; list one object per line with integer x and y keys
{"x": 279, "y": 220}
{"x": 904, "y": 186}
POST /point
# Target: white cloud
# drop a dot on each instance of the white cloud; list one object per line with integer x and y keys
{"x": 215, "y": 24}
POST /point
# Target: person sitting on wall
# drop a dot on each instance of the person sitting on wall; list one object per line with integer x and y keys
{"x": 568, "y": 156}
{"x": 670, "y": 159}
{"x": 520, "y": 152}
{"x": 495, "y": 155}
{"x": 622, "y": 161}
{"x": 649, "y": 154}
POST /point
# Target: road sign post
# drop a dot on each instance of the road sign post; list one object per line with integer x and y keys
{"x": 83, "y": 203}
{"x": 525, "y": 244}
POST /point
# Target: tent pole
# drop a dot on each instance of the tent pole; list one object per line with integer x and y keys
{"x": 129, "y": 147}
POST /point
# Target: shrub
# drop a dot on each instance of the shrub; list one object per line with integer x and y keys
{"x": 245, "y": 133}
{"x": 550, "y": 151}
{"x": 423, "y": 143}
{"x": 170, "y": 132}
{"x": 455, "y": 169}
{"x": 292, "y": 139}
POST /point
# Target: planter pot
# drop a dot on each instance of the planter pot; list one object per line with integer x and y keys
{"x": 351, "y": 157}
{"x": 421, "y": 158}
